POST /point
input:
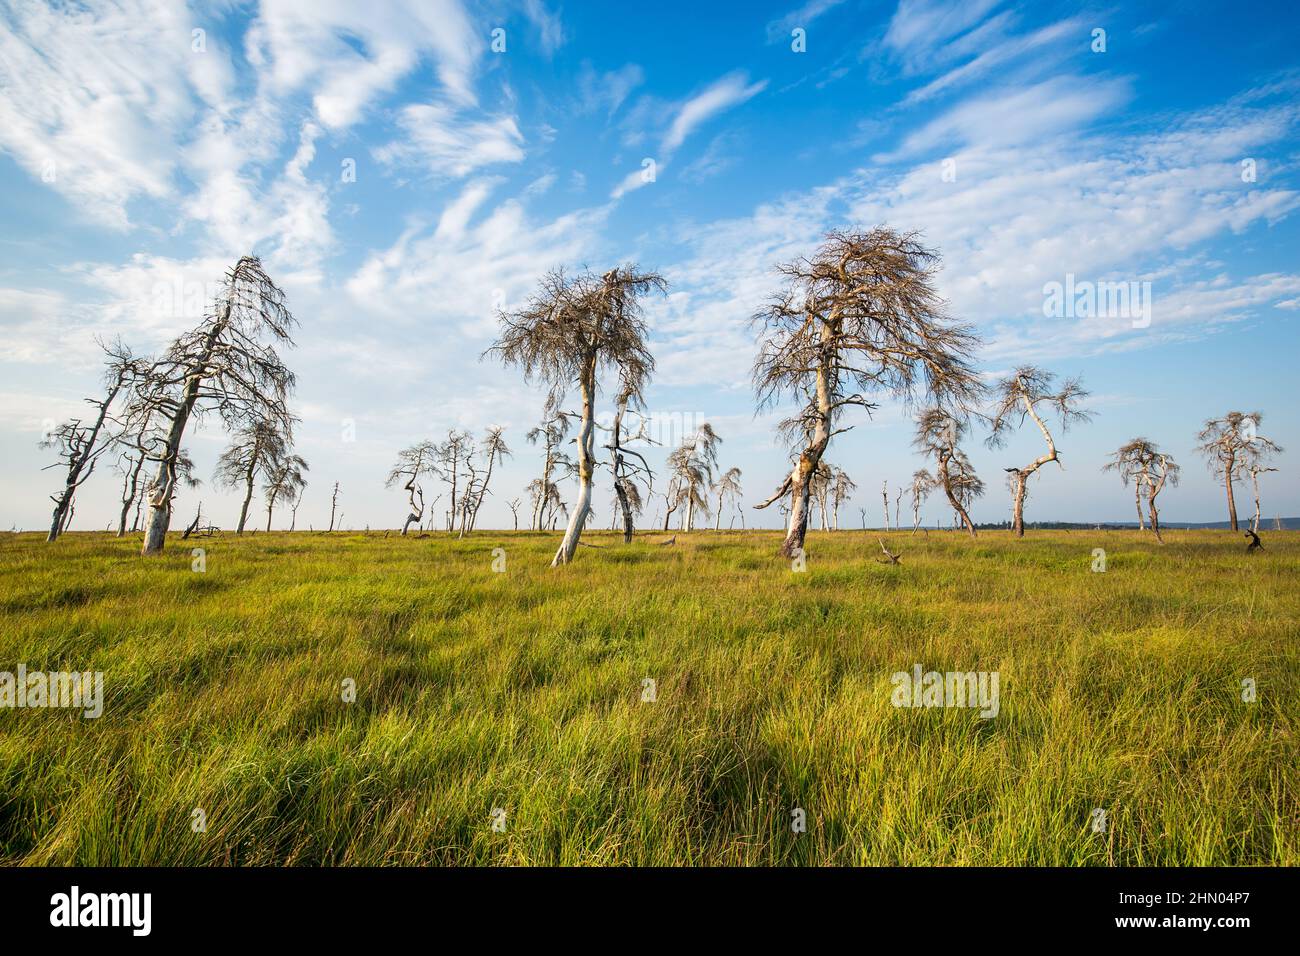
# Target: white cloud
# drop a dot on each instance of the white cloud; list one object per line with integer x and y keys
{"x": 94, "y": 100}
{"x": 450, "y": 144}
{"x": 731, "y": 90}
{"x": 727, "y": 92}
{"x": 349, "y": 54}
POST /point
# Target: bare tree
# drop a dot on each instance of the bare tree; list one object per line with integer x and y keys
{"x": 1028, "y": 393}
{"x": 938, "y": 435}
{"x": 1256, "y": 469}
{"x": 80, "y": 446}
{"x": 451, "y": 457}
{"x": 841, "y": 489}
{"x": 551, "y": 432}
{"x": 690, "y": 467}
{"x": 495, "y": 450}
{"x": 227, "y": 364}
{"x": 1132, "y": 462}
{"x": 568, "y": 333}
{"x": 513, "y": 504}
{"x": 413, "y": 463}
{"x": 254, "y": 450}
{"x": 884, "y": 496}
{"x": 1232, "y": 444}
{"x": 630, "y": 469}
{"x": 727, "y": 486}
{"x": 860, "y": 316}
{"x": 334, "y": 503}
{"x": 1142, "y": 462}
{"x": 922, "y": 483}
{"x": 297, "y": 500}
{"x": 284, "y": 481}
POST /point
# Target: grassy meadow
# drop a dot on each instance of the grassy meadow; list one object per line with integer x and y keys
{"x": 522, "y": 691}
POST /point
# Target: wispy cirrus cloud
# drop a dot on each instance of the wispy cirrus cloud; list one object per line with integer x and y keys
{"x": 721, "y": 95}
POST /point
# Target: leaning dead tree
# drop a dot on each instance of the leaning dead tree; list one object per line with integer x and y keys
{"x": 1028, "y": 393}
{"x": 255, "y": 450}
{"x": 860, "y": 316}
{"x": 938, "y": 435}
{"x": 690, "y": 467}
{"x": 1149, "y": 469}
{"x": 412, "y": 464}
{"x": 79, "y": 446}
{"x": 284, "y": 482}
{"x": 228, "y": 365}
{"x": 1231, "y": 445}
{"x": 572, "y": 330}
{"x": 727, "y": 487}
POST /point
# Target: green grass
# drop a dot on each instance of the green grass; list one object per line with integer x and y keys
{"x": 522, "y": 691}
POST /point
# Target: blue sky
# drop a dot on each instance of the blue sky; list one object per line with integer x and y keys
{"x": 140, "y": 159}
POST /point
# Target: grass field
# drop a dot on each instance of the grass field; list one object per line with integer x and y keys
{"x": 522, "y": 690}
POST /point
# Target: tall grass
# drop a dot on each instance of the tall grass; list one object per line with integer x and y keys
{"x": 522, "y": 691}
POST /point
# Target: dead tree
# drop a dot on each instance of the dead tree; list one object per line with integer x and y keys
{"x": 922, "y": 483}
{"x": 551, "y": 433}
{"x": 229, "y": 365}
{"x": 884, "y": 496}
{"x": 728, "y": 486}
{"x": 80, "y": 446}
{"x": 412, "y": 464}
{"x": 1028, "y": 393}
{"x": 514, "y": 510}
{"x": 334, "y": 501}
{"x": 293, "y": 513}
{"x": 860, "y": 316}
{"x": 1139, "y": 460}
{"x": 495, "y": 450}
{"x": 570, "y": 331}
{"x": 938, "y": 436}
{"x": 450, "y": 459}
{"x": 841, "y": 489}
{"x": 690, "y": 467}
{"x": 284, "y": 481}
{"x": 253, "y": 452}
{"x": 630, "y": 470}
{"x": 1256, "y": 469}
{"x": 890, "y": 557}
{"x": 1232, "y": 444}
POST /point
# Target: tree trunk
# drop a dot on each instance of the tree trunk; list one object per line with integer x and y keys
{"x": 1018, "y": 512}
{"x": 1232, "y": 504}
{"x": 626, "y": 508}
{"x": 801, "y": 491}
{"x": 160, "y": 502}
{"x": 586, "y": 467}
{"x": 1137, "y": 501}
{"x": 958, "y": 511}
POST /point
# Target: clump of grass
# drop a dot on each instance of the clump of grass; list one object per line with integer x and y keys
{"x": 523, "y": 691}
